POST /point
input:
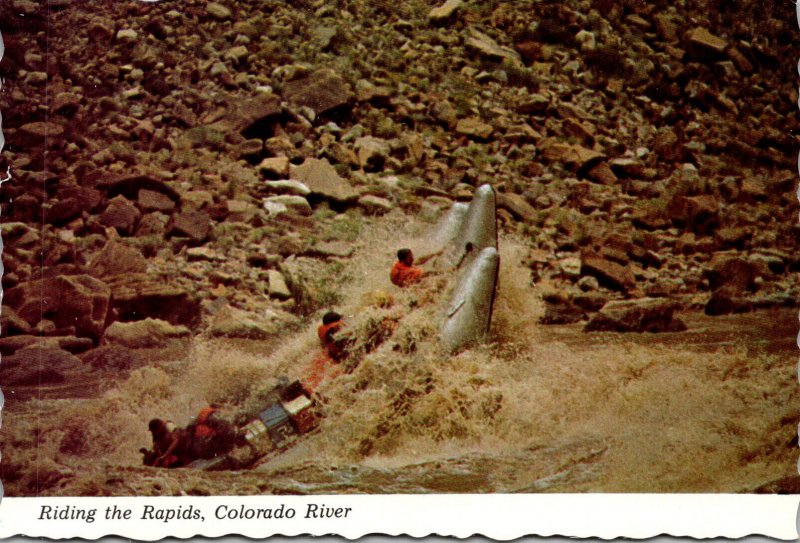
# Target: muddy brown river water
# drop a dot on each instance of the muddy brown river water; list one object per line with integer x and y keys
{"x": 537, "y": 409}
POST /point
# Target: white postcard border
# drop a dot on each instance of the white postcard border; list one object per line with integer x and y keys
{"x": 498, "y": 516}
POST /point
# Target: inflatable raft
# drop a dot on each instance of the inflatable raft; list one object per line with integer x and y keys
{"x": 470, "y": 234}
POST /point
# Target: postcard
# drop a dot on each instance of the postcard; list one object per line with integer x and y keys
{"x": 457, "y": 267}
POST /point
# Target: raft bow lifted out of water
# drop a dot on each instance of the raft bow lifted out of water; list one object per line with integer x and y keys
{"x": 472, "y": 233}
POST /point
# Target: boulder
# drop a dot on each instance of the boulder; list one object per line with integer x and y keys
{"x": 601, "y": 173}
{"x": 590, "y": 301}
{"x": 63, "y": 211}
{"x": 627, "y": 167}
{"x": 246, "y": 116}
{"x": 90, "y": 199}
{"x": 37, "y": 133}
{"x": 700, "y": 214}
{"x": 151, "y": 200}
{"x": 138, "y": 295}
{"x": 563, "y": 312}
{"x": 116, "y": 258}
{"x": 277, "y": 286}
{"x": 375, "y": 205}
{"x": 274, "y": 167}
{"x": 287, "y": 186}
{"x": 122, "y": 215}
{"x": 38, "y": 366}
{"x": 127, "y": 35}
{"x": 372, "y": 153}
{"x": 579, "y": 158}
{"x": 237, "y": 323}
{"x": 152, "y": 224}
{"x": 11, "y": 324}
{"x": 194, "y": 254}
{"x": 322, "y": 90}
{"x": 609, "y": 273}
{"x": 145, "y": 334}
{"x": 445, "y": 12}
{"x": 112, "y": 357}
{"x": 704, "y": 40}
{"x": 640, "y": 315}
{"x": 218, "y": 11}
{"x": 129, "y": 185}
{"x": 70, "y": 344}
{"x": 10, "y": 345}
{"x": 275, "y": 205}
{"x": 78, "y": 301}
{"x": 322, "y": 180}
{"x": 736, "y": 273}
{"x": 25, "y": 208}
{"x": 517, "y": 206}
{"x": 474, "y": 128}
{"x": 240, "y": 211}
{"x": 667, "y": 146}
{"x": 249, "y": 149}
{"x": 486, "y": 47}
{"x": 726, "y": 300}
{"x": 193, "y": 224}
{"x": 65, "y": 103}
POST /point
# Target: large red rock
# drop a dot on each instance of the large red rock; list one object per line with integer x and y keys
{"x": 63, "y": 211}
{"x": 704, "y": 40}
{"x": 70, "y": 301}
{"x": 322, "y": 91}
{"x": 152, "y": 200}
{"x": 245, "y": 115}
{"x": 74, "y": 345}
{"x": 609, "y": 273}
{"x": 726, "y": 300}
{"x": 112, "y": 357}
{"x": 517, "y": 206}
{"x": 11, "y": 324}
{"x": 25, "y": 208}
{"x": 37, "y": 366}
{"x": 129, "y": 185}
{"x": 138, "y": 295}
{"x": 736, "y": 273}
{"x": 39, "y": 132}
{"x": 641, "y": 315}
{"x": 122, "y": 215}
{"x": 144, "y": 334}
{"x": 322, "y": 180}
{"x": 697, "y": 213}
{"x": 195, "y": 225}
{"x": 89, "y": 198}
{"x": 116, "y": 258}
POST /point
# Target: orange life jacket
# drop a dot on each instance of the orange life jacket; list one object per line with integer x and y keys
{"x": 202, "y": 429}
{"x": 403, "y": 275}
{"x": 326, "y": 331}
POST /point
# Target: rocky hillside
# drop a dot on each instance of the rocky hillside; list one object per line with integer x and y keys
{"x": 209, "y": 165}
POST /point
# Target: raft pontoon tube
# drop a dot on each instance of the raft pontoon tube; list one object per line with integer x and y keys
{"x": 474, "y": 252}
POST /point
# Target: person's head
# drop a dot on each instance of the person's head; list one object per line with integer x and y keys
{"x": 330, "y": 317}
{"x": 157, "y": 427}
{"x": 405, "y": 256}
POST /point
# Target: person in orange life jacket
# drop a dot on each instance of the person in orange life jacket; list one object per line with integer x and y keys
{"x": 171, "y": 445}
{"x": 332, "y": 323}
{"x": 332, "y": 352}
{"x": 211, "y": 435}
{"x": 404, "y": 273}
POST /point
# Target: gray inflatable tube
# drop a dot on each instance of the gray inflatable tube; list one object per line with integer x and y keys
{"x": 469, "y": 314}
